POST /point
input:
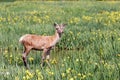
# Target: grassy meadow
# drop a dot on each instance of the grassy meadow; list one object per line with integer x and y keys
{"x": 88, "y": 50}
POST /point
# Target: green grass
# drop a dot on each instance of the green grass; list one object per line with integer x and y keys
{"x": 89, "y": 48}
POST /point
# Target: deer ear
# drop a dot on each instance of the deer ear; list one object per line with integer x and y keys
{"x": 55, "y": 24}
{"x": 64, "y": 25}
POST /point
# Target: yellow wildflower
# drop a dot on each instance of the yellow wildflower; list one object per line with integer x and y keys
{"x": 83, "y": 76}
{"x": 54, "y": 61}
{"x": 118, "y": 55}
{"x": 68, "y": 70}
{"x": 87, "y": 18}
{"x": 11, "y": 56}
{"x": 79, "y": 74}
{"x": 31, "y": 59}
{"x": 39, "y": 75}
{"x": 70, "y": 32}
{"x": 63, "y": 75}
{"x": 63, "y": 65}
{"x": 51, "y": 73}
{"x": 71, "y": 79}
{"x": 118, "y": 39}
{"x": 77, "y": 60}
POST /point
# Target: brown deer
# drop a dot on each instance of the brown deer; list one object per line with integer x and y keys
{"x": 44, "y": 43}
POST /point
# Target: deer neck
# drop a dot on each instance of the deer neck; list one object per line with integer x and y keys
{"x": 55, "y": 38}
{"x": 58, "y": 35}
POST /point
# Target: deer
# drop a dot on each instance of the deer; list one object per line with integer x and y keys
{"x": 41, "y": 43}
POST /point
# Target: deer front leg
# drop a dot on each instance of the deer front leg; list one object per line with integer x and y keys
{"x": 44, "y": 56}
{"x": 48, "y": 57}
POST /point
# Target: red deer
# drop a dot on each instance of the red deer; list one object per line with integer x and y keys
{"x": 44, "y": 43}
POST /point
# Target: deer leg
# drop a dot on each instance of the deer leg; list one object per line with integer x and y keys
{"x": 24, "y": 56}
{"x": 44, "y": 56}
{"x": 48, "y": 57}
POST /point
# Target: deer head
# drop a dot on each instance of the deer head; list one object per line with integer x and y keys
{"x": 59, "y": 28}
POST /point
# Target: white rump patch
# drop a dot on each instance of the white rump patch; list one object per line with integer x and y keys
{"x": 20, "y": 40}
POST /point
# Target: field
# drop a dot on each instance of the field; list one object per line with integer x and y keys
{"x": 88, "y": 50}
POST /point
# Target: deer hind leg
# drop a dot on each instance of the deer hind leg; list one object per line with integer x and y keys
{"x": 24, "y": 56}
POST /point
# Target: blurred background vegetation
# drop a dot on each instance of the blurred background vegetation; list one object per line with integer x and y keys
{"x": 54, "y": 0}
{"x": 89, "y": 48}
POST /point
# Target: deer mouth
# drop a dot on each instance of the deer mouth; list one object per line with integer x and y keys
{"x": 60, "y": 34}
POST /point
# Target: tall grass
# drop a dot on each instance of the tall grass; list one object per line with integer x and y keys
{"x": 89, "y": 48}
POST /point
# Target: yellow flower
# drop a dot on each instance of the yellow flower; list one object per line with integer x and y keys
{"x": 64, "y": 60}
{"x": 87, "y": 18}
{"x": 89, "y": 74}
{"x": 70, "y": 32}
{"x": 23, "y": 77}
{"x": 78, "y": 34}
{"x": 77, "y": 60}
{"x": 68, "y": 57}
{"x": 54, "y": 61}
{"x": 39, "y": 75}
{"x": 28, "y": 74}
{"x": 75, "y": 77}
{"x": 83, "y": 76}
{"x": 31, "y": 59}
{"x": 27, "y": 77}
{"x": 11, "y": 56}
{"x": 68, "y": 70}
{"x": 6, "y": 51}
{"x": 63, "y": 75}
{"x": 16, "y": 78}
{"x": 118, "y": 55}
{"x": 71, "y": 79}
{"x": 63, "y": 65}
{"x": 74, "y": 20}
{"x": 71, "y": 21}
{"x": 79, "y": 74}
{"x": 47, "y": 17}
{"x": 118, "y": 39}
{"x": 51, "y": 73}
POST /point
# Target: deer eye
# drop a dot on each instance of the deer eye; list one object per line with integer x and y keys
{"x": 57, "y": 27}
